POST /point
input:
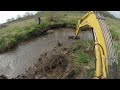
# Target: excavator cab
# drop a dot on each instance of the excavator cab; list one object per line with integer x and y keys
{"x": 105, "y": 52}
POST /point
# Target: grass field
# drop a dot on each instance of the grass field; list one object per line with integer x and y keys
{"x": 83, "y": 56}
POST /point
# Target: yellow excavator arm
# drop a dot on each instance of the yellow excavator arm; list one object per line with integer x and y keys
{"x": 106, "y": 56}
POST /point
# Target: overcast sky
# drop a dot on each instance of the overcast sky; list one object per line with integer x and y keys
{"x": 4, "y": 15}
{"x": 115, "y": 13}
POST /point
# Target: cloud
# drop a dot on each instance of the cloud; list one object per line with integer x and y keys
{"x": 115, "y": 13}
{"x": 4, "y": 15}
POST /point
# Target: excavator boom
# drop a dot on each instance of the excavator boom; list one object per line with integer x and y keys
{"x": 106, "y": 56}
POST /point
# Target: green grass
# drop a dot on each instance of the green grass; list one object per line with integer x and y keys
{"x": 15, "y": 32}
{"x": 23, "y": 30}
{"x": 114, "y": 26}
{"x": 82, "y": 56}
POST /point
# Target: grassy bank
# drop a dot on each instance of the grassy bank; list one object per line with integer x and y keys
{"x": 115, "y": 31}
{"x": 23, "y": 30}
{"x": 20, "y": 31}
{"x": 84, "y": 58}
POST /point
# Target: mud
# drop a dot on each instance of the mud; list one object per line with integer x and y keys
{"x": 52, "y": 65}
{"x": 17, "y": 61}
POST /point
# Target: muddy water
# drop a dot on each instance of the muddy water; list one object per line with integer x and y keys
{"x": 17, "y": 61}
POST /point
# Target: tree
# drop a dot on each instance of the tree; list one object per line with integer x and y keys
{"x": 12, "y": 19}
{"x": 27, "y": 14}
{"x": 8, "y": 20}
{"x": 31, "y": 14}
{"x": 18, "y": 16}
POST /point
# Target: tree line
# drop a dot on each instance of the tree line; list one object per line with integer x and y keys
{"x": 26, "y": 16}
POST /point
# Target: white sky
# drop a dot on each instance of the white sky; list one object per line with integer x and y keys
{"x": 4, "y": 15}
{"x": 115, "y": 13}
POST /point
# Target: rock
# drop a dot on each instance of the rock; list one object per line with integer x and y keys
{"x": 64, "y": 52}
{"x": 3, "y": 77}
{"x": 50, "y": 31}
{"x": 38, "y": 77}
{"x": 87, "y": 67}
{"x": 59, "y": 44}
{"x": 69, "y": 74}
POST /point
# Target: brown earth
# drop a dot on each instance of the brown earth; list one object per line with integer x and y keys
{"x": 52, "y": 65}
{"x": 55, "y": 64}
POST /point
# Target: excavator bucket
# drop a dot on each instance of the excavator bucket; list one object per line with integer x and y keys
{"x": 73, "y": 37}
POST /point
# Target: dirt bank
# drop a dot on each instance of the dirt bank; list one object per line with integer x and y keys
{"x": 45, "y": 52}
{"x": 57, "y": 64}
{"x": 52, "y": 65}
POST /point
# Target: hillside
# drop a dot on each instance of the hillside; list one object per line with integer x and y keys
{"x": 107, "y": 14}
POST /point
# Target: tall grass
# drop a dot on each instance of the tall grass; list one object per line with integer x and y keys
{"x": 10, "y": 35}
{"x": 23, "y": 30}
{"x": 83, "y": 57}
{"x": 114, "y": 26}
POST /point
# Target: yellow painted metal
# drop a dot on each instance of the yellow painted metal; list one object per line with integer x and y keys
{"x": 90, "y": 20}
{"x": 98, "y": 61}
